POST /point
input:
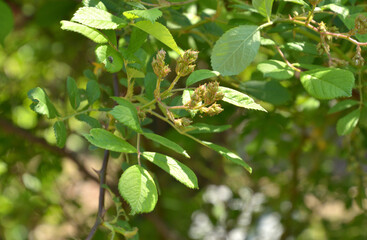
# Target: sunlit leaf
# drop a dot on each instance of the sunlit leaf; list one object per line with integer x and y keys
{"x": 239, "y": 99}
{"x": 176, "y": 169}
{"x": 41, "y": 103}
{"x": 97, "y": 18}
{"x": 137, "y": 187}
{"x": 167, "y": 143}
{"x": 346, "y": 124}
{"x": 109, "y": 57}
{"x": 149, "y": 14}
{"x": 126, "y": 114}
{"x": 92, "y": 34}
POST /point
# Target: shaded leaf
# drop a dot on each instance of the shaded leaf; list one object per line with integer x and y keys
{"x": 167, "y": 143}
{"x": 199, "y": 75}
{"x": 93, "y": 92}
{"x": 137, "y": 187}
{"x": 229, "y": 155}
{"x": 342, "y": 105}
{"x": 263, "y": 6}
{"x": 92, "y": 122}
{"x": 106, "y": 140}
{"x": 199, "y": 128}
{"x": 346, "y": 124}
{"x": 73, "y": 92}
{"x": 275, "y": 69}
{"x": 328, "y": 83}
{"x": 235, "y": 50}
{"x": 60, "y": 133}
{"x": 126, "y": 114}
{"x": 267, "y": 91}
{"x": 6, "y": 21}
{"x": 176, "y": 169}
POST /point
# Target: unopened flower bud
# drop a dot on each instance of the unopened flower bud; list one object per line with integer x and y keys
{"x": 358, "y": 60}
{"x": 159, "y": 66}
{"x": 185, "y": 63}
{"x": 182, "y": 122}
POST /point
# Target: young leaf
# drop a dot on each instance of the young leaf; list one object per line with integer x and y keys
{"x": 328, "y": 83}
{"x": 94, "y": 3}
{"x": 104, "y": 139}
{"x": 176, "y": 169}
{"x": 275, "y": 69}
{"x": 93, "y": 92}
{"x": 73, "y": 92}
{"x": 126, "y": 114}
{"x": 268, "y": 91}
{"x": 150, "y": 14}
{"x": 346, "y": 124}
{"x": 6, "y": 21}
{"x": 263, "y": 6}
{"x": 199, "y": 128}
{"x": 93, "y": 34}
{"x": 97, "y": 18}
{"x": 239, "y": 99}
{"x": 342, "y": 105}
{"x": 109, "y": 57}
{"x": 137, "y": 187}
{"x": 160, "y": 32}
{"x": 41, "y": 103}
{"x": 199, "y": 75}
{"x": 235, "y": 50}
{"x": 92, "y": 122}
{"x": 229, "y": 155}
{"x": 60, "y": 133}
{"x": 167, "y": 143}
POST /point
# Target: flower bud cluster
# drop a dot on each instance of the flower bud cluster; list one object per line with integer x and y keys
{"x": 182, "y": 122}
{"x": 205, "y": 95}
{"x": 159, "y": 66}
{"x": 360, "y": 24}
{"x": 186, "y": 63}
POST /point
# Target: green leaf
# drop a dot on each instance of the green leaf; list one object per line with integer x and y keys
{"x": 6, "y": 21}
{"x": 88, "y": 32}
{"x": 94, "y": 123}
{"x": 349, "y": 21}
{"x": 73, "y": 92}
{"x": 328, "y": 83}
{"x": 275, "y": 69}
{"x": 126, "y": 114}
{"x": 342, "y": 105}
{"x": 199, "y": 75}
{"x": 199, "y": 128}
{"x": 93, "y": 92}
{"x": 137, "y": 39}
{"x": 104, "y": 139}
{"x": 167, "y": 143}
{"x": 176, "y": 169}
{"x": 94, "y": 3}
{"x": 137, "y": 187}
{"x": 346, "y": 124}
{"x": 268, "y": 91}
{"x": 109, "y": 57}
{"x": 305, "y": 47}
{"x": 150, "y": 14}
{"x": 263, "y": 6}
{"x": 239, "y": 99}
{"x": 97, "y": 18}
{"x": 160, "y": 32}
{"x": 267, "y": 42}
{"x": 339, "y": 9}
{"x": 228, "y": 155}
{"x": 41, "y": 103}
{"x": 60, "y": 133}
{"x": 235, "y": 50}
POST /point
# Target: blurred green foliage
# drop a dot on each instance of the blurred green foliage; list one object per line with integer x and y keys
{"x": 307, "y": 180}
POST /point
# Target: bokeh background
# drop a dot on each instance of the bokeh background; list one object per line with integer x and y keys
{"x": 307, "y": 183}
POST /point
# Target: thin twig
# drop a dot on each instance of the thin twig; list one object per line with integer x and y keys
{"x": 285, "y": 59}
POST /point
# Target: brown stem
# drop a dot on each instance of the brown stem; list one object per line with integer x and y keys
{"x": 285, "y": 60}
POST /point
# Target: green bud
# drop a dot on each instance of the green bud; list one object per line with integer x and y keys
{"x": 358, "y": 60}
{"x": 185, "y": 63}
{"x": 182, "y": 122}
{"x": 360, "y": 24}
{"x": 159, "y": 66}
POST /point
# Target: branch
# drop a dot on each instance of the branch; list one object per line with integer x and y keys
{"x": 102, "y": 190}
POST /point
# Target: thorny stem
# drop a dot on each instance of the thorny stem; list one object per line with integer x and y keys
{"x": 286, "y": 61}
